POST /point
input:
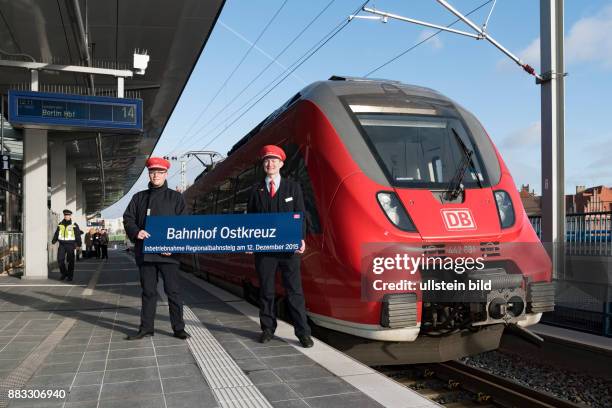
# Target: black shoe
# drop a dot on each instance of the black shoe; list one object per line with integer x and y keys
{"x": 140, "y": 335}
{"x": 183, "y": 335}
{"x": 306, "y": 341}
{"x": 69, "y": 279}
{"x": 266, "y": 336}
{"x": 62, "y": 277}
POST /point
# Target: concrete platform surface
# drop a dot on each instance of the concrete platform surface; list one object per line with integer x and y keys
{"x": 62, "y": 345}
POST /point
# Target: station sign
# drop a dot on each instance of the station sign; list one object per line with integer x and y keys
{"x": 41, "y": 110}
{"x": 228, "y": 233}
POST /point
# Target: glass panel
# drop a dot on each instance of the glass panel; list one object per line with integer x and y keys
{"x": 295, "y": 168}
{"x": 421, "y": 151}
{"x": 225, "y": 197}
{"x": 246, "y": 180}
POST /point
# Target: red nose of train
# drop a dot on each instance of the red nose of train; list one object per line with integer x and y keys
{"x": 477, "y": 217}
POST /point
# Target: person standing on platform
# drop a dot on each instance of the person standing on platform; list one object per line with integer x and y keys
{"x": 88, "y": 243}
{"x": 68, "y": 234}
{"x": 276, "y": 194}
{"x": 104, "y": 244}
{"x": 95, "y": 239}
{"x": 158, "y": 199}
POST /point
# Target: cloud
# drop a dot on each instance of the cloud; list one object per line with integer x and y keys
{"x": 434, "y": 42}
{"x": 531, "y": 54}
{"x": 524, "y": 172}
{"x": 600, "y": 164}
{"x": 527, "y": 137}
{"x": 592, "y": 154}
{"x": 588, "y": 41}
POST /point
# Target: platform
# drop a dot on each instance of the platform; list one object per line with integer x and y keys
{"x": 70, "y": 337}
{"x": 581, "y": 339}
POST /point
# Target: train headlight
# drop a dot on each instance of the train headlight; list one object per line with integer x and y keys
{"x": 504, "y": 208}
{"x": 394, "y": 210}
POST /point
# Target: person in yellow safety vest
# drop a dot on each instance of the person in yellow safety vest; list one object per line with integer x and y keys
{"x": 68, "y": 234}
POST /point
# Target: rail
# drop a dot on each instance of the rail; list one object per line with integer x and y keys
{"x": 456, "y": 384}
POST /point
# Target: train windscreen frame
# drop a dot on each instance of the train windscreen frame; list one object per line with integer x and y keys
{"x": 421, "y": 151}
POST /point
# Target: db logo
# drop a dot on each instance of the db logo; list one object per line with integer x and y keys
{"x": 458, "y": 219}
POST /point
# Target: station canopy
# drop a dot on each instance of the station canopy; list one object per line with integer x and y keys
{"x": 172, "y": 33}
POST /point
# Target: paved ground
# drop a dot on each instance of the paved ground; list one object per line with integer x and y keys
{"x": 70, "y": 337}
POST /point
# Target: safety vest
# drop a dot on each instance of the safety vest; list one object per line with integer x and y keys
{"x": 66, "y": 233}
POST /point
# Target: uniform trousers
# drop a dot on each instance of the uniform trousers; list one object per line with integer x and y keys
{"x": 65, "y": 252}
{"x": 266, "y": 265}
{"x": 149, "y": 273}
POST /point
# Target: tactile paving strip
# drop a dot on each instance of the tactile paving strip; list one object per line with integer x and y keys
{"x": 229, "y": 383}
{"x": 22, "y": 374}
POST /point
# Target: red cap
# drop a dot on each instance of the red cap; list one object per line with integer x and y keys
{"x": 272, "y": 151}
{"x": 157, "y": 163}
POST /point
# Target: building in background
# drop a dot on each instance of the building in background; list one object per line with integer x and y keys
{"x": 589, "y": 200}
{"x": 531, "y": 202}
{"x": 586, "y": 200}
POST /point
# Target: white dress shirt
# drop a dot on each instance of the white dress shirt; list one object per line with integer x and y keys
{"x": 277, "y": 181}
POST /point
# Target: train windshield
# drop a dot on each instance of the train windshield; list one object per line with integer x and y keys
{"x": 422, "y": 151}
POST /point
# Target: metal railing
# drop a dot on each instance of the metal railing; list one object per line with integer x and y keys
{"x": 11, "y": 250}
{"x": 585, "y": 234}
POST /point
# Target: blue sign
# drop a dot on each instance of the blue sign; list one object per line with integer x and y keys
{"x": 74, "y": 112}
{"x": 265, "y": 232}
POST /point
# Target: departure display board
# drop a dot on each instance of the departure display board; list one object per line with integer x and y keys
{"x": 74, "y": 112}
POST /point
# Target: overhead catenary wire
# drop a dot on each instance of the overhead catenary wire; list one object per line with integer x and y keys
{"x": 230, "y": 76}
{"x": 227, "y": 105}
{"x": 423, "y": 41}
{"x": 295, "y": 65}
{"x": 285, "y": 74}
{"x": 298, "y": 63}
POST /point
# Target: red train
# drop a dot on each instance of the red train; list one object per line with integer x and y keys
{"x": 384, "y": 163}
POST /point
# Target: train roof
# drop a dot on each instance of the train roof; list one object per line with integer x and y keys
{"x": 345, "y": 86}
{"x": 342, "y": 86}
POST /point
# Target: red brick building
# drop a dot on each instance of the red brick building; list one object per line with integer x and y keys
{"x": 531, "y": 202}
{"x": 593, "y": 199}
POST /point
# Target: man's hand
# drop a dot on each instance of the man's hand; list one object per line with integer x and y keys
{"x": 166, "y": 254}
{"x": 142, "y": 234}
{"x": 302, "y": 248}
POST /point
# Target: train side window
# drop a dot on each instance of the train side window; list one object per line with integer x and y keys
{"x": 295, "y": 168}
{"x": 205, "y": 204}
{"x": 225, "y": 197}
{"x": 208, "y": 206}
{"x": 245, "y": 182}
{"x": 193, "y": 208}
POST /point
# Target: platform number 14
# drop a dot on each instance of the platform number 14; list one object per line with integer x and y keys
{"x": 128, "y": 112}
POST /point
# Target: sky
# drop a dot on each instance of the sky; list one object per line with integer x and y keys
{"x": 251, "y": 49}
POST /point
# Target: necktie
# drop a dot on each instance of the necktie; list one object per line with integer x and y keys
{"x": 272, "y": 189}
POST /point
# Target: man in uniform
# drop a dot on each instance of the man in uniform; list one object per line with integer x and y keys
{"x": 158, "y": 199}
{"x": 69, "y": 236}
{"x": 279, "y": 195}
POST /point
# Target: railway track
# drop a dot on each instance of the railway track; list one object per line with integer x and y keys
{"x": 456, "y": 385}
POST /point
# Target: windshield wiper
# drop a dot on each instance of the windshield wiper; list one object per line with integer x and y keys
{"x": 455, "y": 187}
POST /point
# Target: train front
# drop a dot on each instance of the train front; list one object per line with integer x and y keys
{"x": 425, "y": 227}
